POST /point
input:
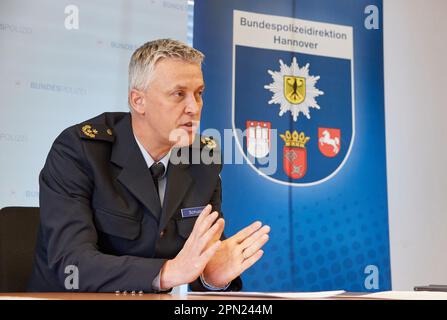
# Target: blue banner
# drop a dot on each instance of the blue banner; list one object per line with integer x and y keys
{"x": 300, "y": 86}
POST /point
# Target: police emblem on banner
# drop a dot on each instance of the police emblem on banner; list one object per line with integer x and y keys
{"x": 306, "y": 100}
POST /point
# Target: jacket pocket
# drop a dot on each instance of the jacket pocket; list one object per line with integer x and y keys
{"x": 116, "y": 224}
{"x": 185, "y": 226}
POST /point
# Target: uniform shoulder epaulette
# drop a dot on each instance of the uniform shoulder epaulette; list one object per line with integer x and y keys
{"x": 208, "y": 142}
{"x": 92, "y": 131}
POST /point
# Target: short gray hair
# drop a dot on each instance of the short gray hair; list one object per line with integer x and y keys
{"x": 144, "y": 59}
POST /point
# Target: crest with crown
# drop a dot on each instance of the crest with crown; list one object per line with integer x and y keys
{"x": 295, "y": 139}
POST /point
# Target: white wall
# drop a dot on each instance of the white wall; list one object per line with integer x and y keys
{"x": 56, "y": 76}
{"x": 415, "y": 40}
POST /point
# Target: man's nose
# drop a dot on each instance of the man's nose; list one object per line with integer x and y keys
{"x": 193, "y": 105}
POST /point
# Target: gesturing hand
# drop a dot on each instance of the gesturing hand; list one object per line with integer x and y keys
{"x": 236, "y": 254}
{"x": 195, "y": 254}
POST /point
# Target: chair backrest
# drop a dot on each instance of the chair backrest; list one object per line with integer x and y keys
{"x": 18, "y": 233}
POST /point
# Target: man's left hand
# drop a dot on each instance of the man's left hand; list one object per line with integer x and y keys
{"x": 236, "y": 254}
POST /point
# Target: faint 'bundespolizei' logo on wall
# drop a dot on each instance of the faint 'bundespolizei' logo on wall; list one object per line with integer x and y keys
{"x": 7, "y": 27}
{"x": 53, "y": 87}
{"x": 13, "y": 137}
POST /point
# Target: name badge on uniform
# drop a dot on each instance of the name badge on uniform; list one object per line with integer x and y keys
{"x": 191, "y": 212}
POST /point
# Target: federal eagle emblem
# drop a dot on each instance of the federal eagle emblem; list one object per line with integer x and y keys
{"x": 294, "y": 89}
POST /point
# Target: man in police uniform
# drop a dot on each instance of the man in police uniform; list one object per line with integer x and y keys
{"x": 120, "y": 212}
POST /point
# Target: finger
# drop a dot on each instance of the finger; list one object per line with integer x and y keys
{"x": 214, "y": 232}
{"x": 204, "y": 242}
{"x": 254, "y": 237}
{"x": 209, "y": 253}
{"x": 205, "y": 224}
{"x": 252, "y": 260}
{"x": 218, "y": 233}
{"x": 256, "y": 246}
{"x": 247, "y": 231}
{"x": 205, "y": 212}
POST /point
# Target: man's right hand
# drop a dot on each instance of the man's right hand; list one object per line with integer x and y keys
{"x": 189, "y": 263}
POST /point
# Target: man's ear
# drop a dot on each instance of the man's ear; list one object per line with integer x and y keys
{"x": 136, "y": 101}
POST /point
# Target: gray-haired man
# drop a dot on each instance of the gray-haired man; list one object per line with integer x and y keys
{"x": 115, "y": 209}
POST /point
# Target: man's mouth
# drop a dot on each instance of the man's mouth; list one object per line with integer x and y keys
{"x": 190, "y": 126}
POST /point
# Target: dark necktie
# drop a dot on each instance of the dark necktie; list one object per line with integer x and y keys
{"x": 157, "y": 171}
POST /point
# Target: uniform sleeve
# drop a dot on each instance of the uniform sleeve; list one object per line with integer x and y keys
{"x": 69, "y": 232}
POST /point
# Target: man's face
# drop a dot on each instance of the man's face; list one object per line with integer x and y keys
{"x": 173, "y": 102}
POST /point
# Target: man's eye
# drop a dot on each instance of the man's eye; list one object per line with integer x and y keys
{"x": 179, "y": 94}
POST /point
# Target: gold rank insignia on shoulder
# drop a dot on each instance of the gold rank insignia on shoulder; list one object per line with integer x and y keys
{"x": 209, "y": 142}
{"x": 96, "y": 132}
{"x": 89, "y": 131}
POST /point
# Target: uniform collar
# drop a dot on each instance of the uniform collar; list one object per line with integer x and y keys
{"x": 150, "y": 161}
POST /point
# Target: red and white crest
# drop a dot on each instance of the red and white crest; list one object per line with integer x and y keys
{"x": 294, "y": 154}
{"x": 329, "y": 141}
{"x": 295, "y": 162}
{"x": 258, "y": 138}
